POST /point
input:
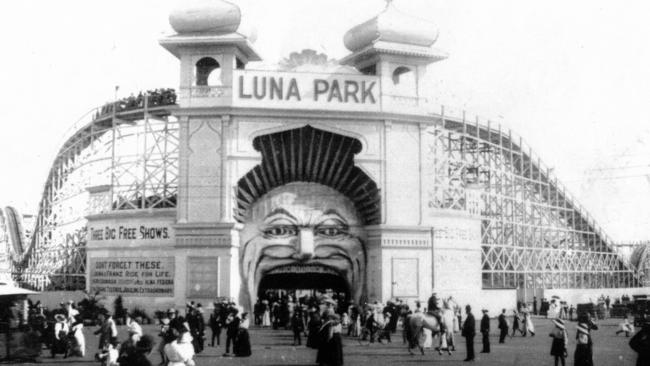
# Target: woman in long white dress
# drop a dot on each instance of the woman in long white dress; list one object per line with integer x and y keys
{"x": 266, "y": 316}
{"x": 181, "y": 351}
{"x": 528, "y": 322}
{"x": 448, "y": 320}
{"x": 78, "y": 346}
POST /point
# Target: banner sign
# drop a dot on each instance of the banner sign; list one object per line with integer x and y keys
{"x": 132, "y": 276}
{"x": 123, "y": 232}
{"x": 269, "y": 89}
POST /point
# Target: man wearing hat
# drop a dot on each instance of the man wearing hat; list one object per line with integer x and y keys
{"x": 469, "y": 331}
{"x": 503, "y": 326}
{"x": 107, "y": 330}
{"x": 485, "y": 331}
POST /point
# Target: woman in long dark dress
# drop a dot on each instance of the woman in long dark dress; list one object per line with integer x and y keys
{"x": 60, "y": 342}
{"x": 584, "y": 347}
{"x": 313, "y": 326}
{"x": 242, "y": 344}
{"x": 559, "y": 345}
{"x": 330, "y": 349}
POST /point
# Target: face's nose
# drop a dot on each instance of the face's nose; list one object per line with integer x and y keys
{"x": 305, "y": 244}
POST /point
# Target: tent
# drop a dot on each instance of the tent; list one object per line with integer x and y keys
{"x": 7, "y": 289}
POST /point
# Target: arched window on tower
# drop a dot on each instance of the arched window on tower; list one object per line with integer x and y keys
{"x": 208, "y": 72}
{"x": 404, "y": 80}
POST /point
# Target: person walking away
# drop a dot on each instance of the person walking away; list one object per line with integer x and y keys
{"x": 370, "y": 324}
{"x": 469, "y": 331}
{"x": 297, "y": 326}
{"x": 503, "y": 327}
{"x": 516, "y": 323}
{"x": 485, "y": 331}
{"x": 180, "y": 352}
{"x": 197, "y": 328}
{"x": 242, "y": 344}
{"x": 640, "y": 343}
{"x": 216, "y": 323}
{"x": 330, "y": 349}
{"x": 560, "y": 339}
{"x": 313, "y": 326}
{"x": 77, "y": 339}
{"x": 448, "y": 318}
{"x": 583, "y": 355}
{"x": 528, "y": 323}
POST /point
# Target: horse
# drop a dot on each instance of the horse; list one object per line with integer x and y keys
{"x": 416, "y": 325}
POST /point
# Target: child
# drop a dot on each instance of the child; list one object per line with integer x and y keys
{"x": 626, "y": 328}
{"x": 560, "y": 339}
{"x": 109, "y": 356}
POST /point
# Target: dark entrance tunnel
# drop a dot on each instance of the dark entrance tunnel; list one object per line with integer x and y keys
{"x": 303, "y": 281}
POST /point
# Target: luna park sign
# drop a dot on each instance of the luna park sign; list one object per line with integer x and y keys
{"x": 306, "y": 90}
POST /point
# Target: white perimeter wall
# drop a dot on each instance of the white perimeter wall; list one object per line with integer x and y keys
{"x": 580, "y": 296}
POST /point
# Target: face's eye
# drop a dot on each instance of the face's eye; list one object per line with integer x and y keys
{"x": 280, "y": 231}
{"x": 331, "y": 231}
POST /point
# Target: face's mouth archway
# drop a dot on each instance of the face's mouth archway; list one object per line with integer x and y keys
{"x": 305, "y": 208}
{"x": 303, "y": 277}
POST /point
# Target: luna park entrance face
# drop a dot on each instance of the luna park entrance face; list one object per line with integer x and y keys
{"x": 303, "y": 237}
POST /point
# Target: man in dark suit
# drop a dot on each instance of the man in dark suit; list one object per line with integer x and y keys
{"x": 485, "y": 331}
{"x": 469, "y": 331}
{"x": 503, "y": 326}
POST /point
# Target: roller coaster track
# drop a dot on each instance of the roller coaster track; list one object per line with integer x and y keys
{"x": 519, "y": 160}
{"x": 26, "y": 257}
{"x": 527, "y": 166}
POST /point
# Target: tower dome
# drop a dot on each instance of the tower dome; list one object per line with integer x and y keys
{"x": 205, "y": 16}
{"x": 393, "y": 26}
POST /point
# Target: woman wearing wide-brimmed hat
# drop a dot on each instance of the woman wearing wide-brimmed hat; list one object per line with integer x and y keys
{"x": 61, "y": 329}
{"x": 242, "y": 344}
{"x": 330, "y": 348}
{"x": 584, "y": 347}
{"x": 560, "y": 339}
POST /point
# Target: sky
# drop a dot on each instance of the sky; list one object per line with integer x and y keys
{"x": 571, "y": 78}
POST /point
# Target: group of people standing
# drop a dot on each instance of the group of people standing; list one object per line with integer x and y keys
{"x": 236, "y": 323}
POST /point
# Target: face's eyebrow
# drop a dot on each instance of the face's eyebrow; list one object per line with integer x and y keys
{"x": 332, "y": 212}
{"x": 280, "y": 211}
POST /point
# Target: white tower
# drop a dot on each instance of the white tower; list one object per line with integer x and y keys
{"x": 396, "y": 47}
{"x": 209, "y": 46}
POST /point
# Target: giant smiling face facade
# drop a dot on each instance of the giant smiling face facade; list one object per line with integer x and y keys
{"x": 302, "y": 227}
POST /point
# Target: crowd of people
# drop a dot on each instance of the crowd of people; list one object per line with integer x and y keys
{"x": 324, "y": 319}
{"x": 154, "y": 98}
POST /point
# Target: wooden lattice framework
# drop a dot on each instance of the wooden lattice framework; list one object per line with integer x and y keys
{"x": 135, "y": 153}
{"x": 534, "y": 233}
